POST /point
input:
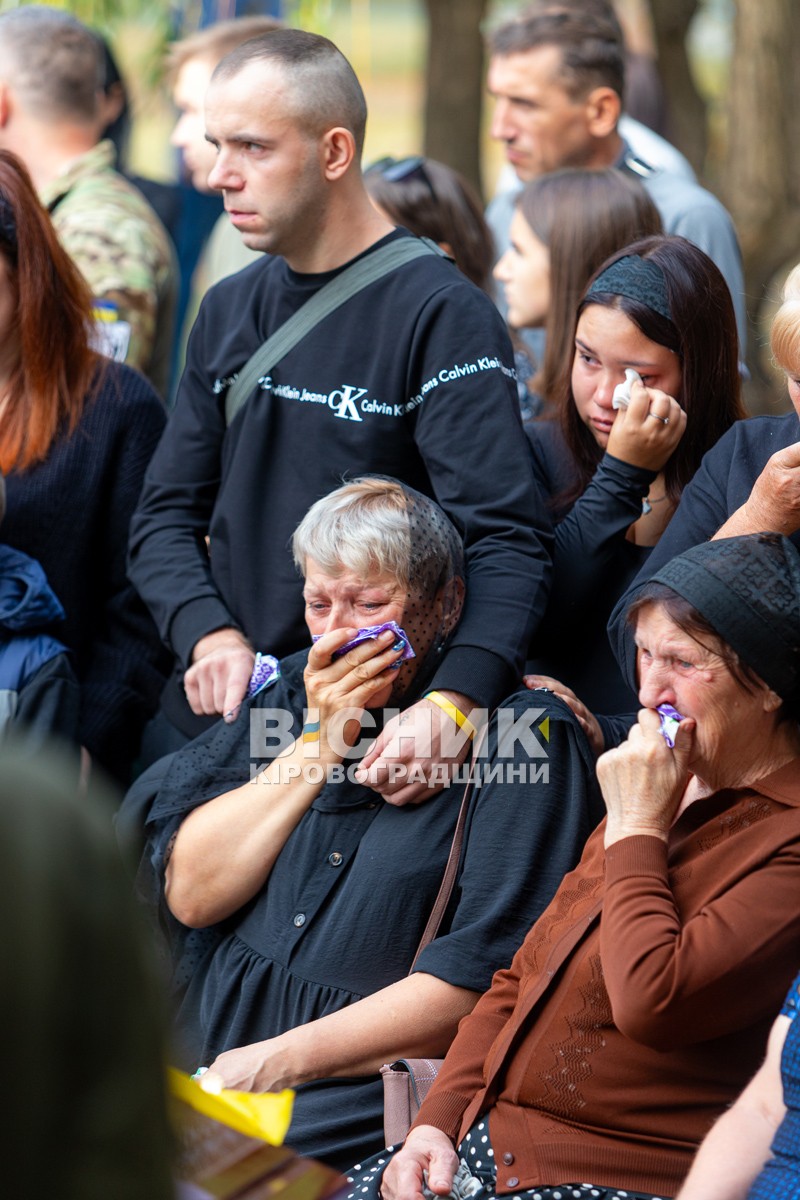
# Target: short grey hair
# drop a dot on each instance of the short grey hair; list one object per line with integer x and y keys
{"x": 378, "y": 526}
{"x": 54, "y": 63}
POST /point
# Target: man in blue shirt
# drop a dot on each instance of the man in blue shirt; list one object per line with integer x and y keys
{"x": 558, "y": 79}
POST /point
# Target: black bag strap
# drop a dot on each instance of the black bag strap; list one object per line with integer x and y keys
{"x": 451, "y": 867}
{"x": 330, "y": 297}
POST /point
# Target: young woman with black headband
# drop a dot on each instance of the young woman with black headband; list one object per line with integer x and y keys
{"x": 614, "y": 465}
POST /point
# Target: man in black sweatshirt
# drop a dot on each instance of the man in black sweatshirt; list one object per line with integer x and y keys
{"x": 413, "y": 378}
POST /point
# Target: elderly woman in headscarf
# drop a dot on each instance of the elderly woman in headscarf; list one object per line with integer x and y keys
{"x": 641, "y": 1000}
{"x": 296, "y": 899}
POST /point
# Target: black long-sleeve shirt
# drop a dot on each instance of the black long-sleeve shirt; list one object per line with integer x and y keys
{"x": 593, "y": 564}
{"x": 412, "y": 378}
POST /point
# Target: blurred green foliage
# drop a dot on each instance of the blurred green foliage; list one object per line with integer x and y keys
{"x": 106, "y": 15}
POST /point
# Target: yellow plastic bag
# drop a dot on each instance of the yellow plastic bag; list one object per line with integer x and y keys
{"x": 255, "y": 1114}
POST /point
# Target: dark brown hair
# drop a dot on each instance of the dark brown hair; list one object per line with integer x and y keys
{"x": 438, "y": 203}
{"x": 582, "y": 217}
{"x": 702, "y": 333}
{"x": 82, "y": 995}
{"x": 599, "y": 8}
{"x": 591, "y": 47}
{"x": 55, "y": 368}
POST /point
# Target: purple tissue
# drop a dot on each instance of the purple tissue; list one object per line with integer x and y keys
{"x": 372, "y": 631}
{"x": 265, "y": 670}
{"x": 670, "y": 720}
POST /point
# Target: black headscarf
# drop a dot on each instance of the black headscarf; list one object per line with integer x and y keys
{"x": 748, "y": 589}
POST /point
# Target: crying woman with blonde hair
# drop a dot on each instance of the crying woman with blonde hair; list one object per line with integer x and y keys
{"x": 293, "y": 896}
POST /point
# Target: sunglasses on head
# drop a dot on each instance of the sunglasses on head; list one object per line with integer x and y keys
{"x": 398, "y": 170}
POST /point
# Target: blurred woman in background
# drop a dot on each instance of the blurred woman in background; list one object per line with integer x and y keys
{"x": 565, "y": 225}
{"x": 432, "y": 200}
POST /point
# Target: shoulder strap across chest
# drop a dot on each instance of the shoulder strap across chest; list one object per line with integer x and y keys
{"x": 329, "y": 297}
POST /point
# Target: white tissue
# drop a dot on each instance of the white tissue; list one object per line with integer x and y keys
{"x": 622, "y": 392}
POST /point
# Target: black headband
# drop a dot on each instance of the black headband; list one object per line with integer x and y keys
{"x": 8, "y": 226}
{"x": 638, "y": 279}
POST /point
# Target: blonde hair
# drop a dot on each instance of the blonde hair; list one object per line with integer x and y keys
{"x": 784, "y": 337}
{"x": 361, "y": 527}
{"x": 213, "y": 42}
{"x": 379, "y": 526}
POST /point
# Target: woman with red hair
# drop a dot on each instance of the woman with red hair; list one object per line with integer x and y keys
{"x": 76, "y": 434}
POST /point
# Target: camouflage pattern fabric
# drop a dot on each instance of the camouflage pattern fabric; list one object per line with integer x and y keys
{"x": 126, "y": 256}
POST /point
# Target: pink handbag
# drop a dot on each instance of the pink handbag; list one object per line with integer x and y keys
{"x": 407, "y": 1081}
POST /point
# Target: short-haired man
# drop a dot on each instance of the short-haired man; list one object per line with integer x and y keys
{"x": 413, "y": 378}
{"x": 558, "y": 78}
{"x": 51, "y": 73}
{"x": 190, "y": 65}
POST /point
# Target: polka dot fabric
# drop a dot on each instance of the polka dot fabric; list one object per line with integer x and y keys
{"x": 433, "y": 602}
{"x": 476, "y": 1152}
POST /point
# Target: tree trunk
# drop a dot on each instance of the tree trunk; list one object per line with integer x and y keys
{"x": 687, "y": 108}
{"x": 454, "y": 85}
{"x": 762, "y": 176}
{"x": 761, "y": 183}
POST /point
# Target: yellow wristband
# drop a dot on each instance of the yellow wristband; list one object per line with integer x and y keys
{"x": 447, "y": 706}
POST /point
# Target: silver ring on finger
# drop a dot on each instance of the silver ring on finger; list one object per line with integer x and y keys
{"x": 663, "y": 420}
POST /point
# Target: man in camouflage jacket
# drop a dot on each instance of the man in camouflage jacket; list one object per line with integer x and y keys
{"x": 50, "y": 77}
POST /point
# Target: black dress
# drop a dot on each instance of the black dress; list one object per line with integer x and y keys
{"x": 346, "y": 903}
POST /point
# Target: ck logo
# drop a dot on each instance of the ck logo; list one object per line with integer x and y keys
{"x": 343, "y": 402}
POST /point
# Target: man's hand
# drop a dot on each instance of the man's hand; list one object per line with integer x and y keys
{"x": 416, "y": 753}
{"x": 216, "y": 682}
{"x": 587, "y": 720}
{"x": 425, "y": 1149}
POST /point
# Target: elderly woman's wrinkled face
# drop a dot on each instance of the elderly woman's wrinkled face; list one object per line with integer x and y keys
{"x": 793, "y": 384}
{"x": 675, "y": 669}
{"x": 347, "y": 599}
